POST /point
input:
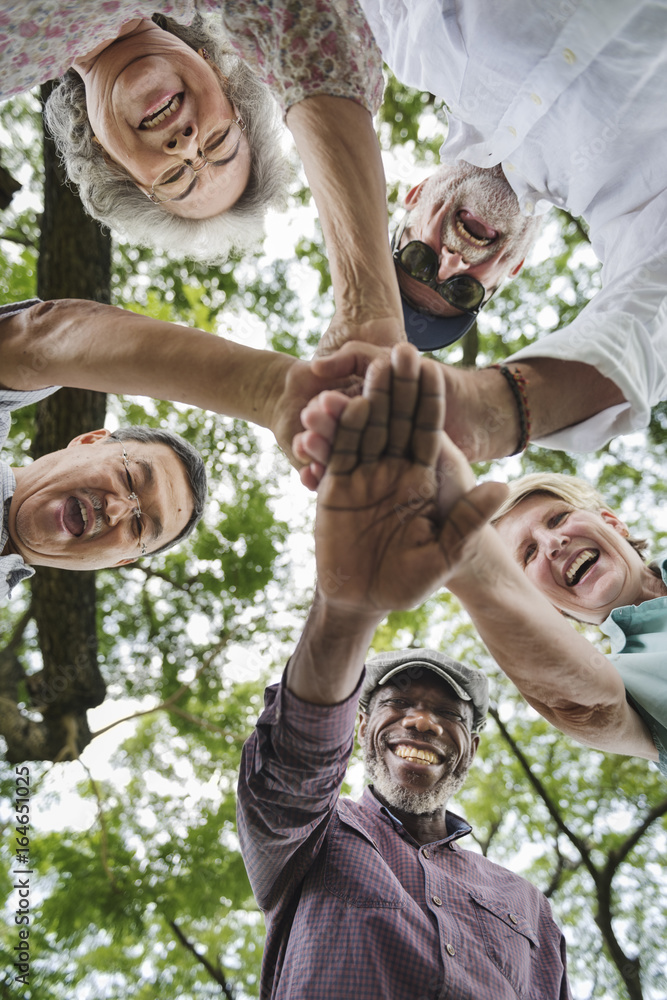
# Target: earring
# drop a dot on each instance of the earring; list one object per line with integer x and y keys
{"x": 203, "y": 53}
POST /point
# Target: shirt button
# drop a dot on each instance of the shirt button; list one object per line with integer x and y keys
{"x": 529, "y": 206}
{"x": 426, "y": 853}
{"x": 509, "y": 166}
{"x": 511, "y": 130}
{"x": 450, "y": 949}
{"x": 569, "y": 56}
{"x": 514, "y": 919}
{"x": 437, "y": 900}
{"x": 536, "y": 99}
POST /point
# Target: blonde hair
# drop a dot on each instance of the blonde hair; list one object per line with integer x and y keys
{"x": 576, "y": 492}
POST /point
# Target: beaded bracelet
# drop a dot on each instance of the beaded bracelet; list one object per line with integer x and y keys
{"x": 517, "y": 383}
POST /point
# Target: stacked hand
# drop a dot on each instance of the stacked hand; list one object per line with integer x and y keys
{"x": 380, "y": 333}
{"x": 398, "y": 502}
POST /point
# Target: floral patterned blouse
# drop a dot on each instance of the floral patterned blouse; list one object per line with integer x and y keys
{"x": 299, "y": 48}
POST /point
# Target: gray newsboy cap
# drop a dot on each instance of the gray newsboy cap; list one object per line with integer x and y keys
{"x": 469, "y": 684}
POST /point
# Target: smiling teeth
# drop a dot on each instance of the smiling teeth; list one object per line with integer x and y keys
{"x": 411, "y": 753}
{"x": 586, "y": 556}
{"x": 84, "y": 513}
{"x": 153, "y": 120}
{"x": 462, "y": 231}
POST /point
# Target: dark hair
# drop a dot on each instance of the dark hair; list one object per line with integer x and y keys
{"x": 191, "y": 461}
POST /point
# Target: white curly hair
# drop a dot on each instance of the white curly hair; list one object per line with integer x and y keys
{"x": 111, "y": 196}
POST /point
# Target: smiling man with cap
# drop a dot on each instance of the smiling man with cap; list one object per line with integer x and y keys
{"x": 375, "y": 898}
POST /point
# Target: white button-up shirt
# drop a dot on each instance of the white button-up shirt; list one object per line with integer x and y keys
{"x": 569, "y": 96}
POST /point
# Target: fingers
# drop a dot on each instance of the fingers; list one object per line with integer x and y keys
{"x": 402, "y": 417}
{"x": 309, "y": 447}
{"x": 377, "y": 390}
{"x": 407, "y": 402}
{"x": 429, "y": 420}
{"x": 404, "y": 398}
{"x": 311, "y": 475}
{"x": 352, "y": 359}
{"x": 345, "y": 453}
{"x": 313, "y": 446}
{"x": 322, "y": 413}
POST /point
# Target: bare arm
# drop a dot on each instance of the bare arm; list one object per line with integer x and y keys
{"x": 570, "y": 683}
{"x": 375, "y": 553}
{"x": 557, "y": 670}
{"x": 87, "y": 345}
{"x": 341, "y": 156}
{"x": 482, "y": 417}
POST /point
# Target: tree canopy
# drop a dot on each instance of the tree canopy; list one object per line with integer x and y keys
{"x": 138, "y": 887}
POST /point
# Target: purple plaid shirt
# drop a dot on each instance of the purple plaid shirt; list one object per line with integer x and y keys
{"x": 354, "y": 907}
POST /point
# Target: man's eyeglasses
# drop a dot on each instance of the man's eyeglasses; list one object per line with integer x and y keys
{"x": 215, "y": 149}
{"x": 135, "y": 499}
{"x": 421, "y": 262}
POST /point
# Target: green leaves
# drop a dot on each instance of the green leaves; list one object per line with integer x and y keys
{"x": 140, "y": 888}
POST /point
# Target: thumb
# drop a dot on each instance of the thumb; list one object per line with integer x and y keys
{"x": 470, "y": 513}
{"x": 352, "y": 359}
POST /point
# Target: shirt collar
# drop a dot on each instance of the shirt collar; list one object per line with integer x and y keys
{"x": 12, "y": 567}
{"x": 456, "y": 826}
{"x": 616, "y": 625}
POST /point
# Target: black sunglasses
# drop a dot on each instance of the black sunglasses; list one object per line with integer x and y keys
{"x": 421, "y": 262}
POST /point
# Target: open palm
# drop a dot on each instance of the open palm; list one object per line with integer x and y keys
{"x": 396, "y": 505}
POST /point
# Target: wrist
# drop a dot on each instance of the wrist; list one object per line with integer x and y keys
{"x": 330, "y": 655}
{"x": 482, "y": 413}
{"x": 337, "y": 613}
{"x": 269, "y": 392}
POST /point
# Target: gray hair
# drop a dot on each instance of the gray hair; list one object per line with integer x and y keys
{"x": 190, "y": 459}
{"x": 111, "y": 196}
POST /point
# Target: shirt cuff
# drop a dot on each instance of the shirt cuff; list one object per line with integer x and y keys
{"x": 325, "y": 726}
{"x": 12, "y": 308}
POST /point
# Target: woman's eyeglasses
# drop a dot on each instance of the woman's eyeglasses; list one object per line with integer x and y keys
{"x": 216, "y": 148}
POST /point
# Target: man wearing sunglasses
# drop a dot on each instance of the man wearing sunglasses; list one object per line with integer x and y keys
{"x": 450, "y": 260}
{"x": 558, "y": 104}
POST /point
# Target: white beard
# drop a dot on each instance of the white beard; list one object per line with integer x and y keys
{"x": 486, "y": 194}
{"x": 417, "y": 803}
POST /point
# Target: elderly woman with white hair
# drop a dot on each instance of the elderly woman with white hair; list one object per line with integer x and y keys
{"x": 168, "y": 123}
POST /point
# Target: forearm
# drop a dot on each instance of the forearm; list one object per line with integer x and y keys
{"x": 341, "y": 156}
{"x": 327, "y": 663}
{"x": 482, "y": 414}
{"x": 556, "y": 669}
{"x": 93, "y": 346}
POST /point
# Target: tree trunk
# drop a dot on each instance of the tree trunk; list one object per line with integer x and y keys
{"x": 74, "y": 262}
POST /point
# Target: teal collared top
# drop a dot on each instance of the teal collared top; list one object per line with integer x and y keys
{"x": 638, "y": 635}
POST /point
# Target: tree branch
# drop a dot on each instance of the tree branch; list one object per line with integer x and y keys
{"x": 620, "y": 854}
{"x": 202, "y": 723}
{"x": 548, "y": 801}
{"x": 216, "y": 974}
{"x": 20, "y": 627}
{"x": 104, "y": 843}
{"x": 14, "y": 236}
{"x": 628, "y": 967}
{"x": 169, "y": 702}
